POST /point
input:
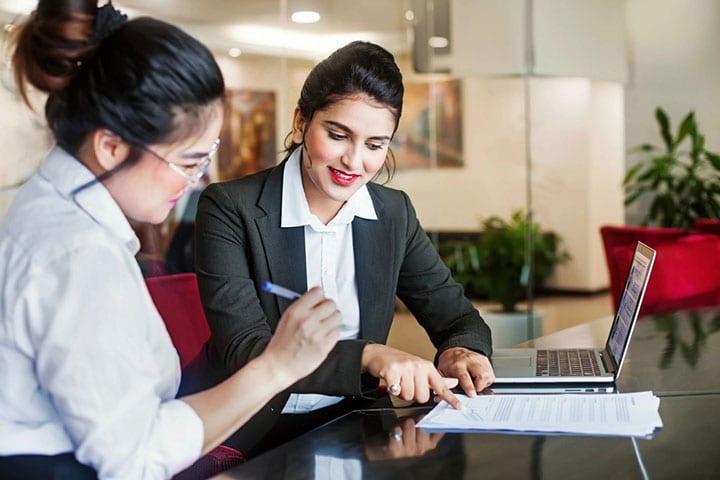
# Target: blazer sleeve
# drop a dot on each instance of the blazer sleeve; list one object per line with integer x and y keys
{"x": 437, "y": 301}
{"x": 239, "y": 326}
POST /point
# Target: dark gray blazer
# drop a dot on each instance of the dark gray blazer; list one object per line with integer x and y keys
{"x": 239, "y": 244}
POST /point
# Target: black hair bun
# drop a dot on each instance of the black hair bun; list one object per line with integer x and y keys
{"x": 107, "y": 20}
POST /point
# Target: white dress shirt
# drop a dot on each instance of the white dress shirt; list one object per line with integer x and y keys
{"x": 86, "y": 364}
{"x": 329, "y": 260}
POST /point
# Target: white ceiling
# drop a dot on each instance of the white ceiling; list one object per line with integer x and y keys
{"x": 263, "y": 26}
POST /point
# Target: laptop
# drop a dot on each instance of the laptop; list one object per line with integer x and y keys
{"x": 533, "y": 370}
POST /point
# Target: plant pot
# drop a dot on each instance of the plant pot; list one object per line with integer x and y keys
{"x": 509, "y": 329}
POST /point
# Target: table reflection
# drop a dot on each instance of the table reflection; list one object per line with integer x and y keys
{"x": 673, "y": 354}
{"x": 367, "y": 444}
{"x": 686, "y": 335}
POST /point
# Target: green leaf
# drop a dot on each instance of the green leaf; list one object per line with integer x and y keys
{"x": 714, "y": 159}
{"x": 631, "y": 197}
{"x": 645, "y": 147}
{"x": 631, "y": 174}
{"x": 664, "y": 123}
{"x": 698, "y": 144}
{"x": 687, "y": 127}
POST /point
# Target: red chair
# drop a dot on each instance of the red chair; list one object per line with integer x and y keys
{"x": 707, "y": 225}
{"x": 686, "y": 272}
{"x": 178, "y": 301}
{"x": 616, "y": 236}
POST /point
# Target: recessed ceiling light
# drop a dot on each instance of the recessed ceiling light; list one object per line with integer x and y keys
{"x": 234, "y": 52}
{"x": 438, "y": 42}
{"x": 306, "y": 16}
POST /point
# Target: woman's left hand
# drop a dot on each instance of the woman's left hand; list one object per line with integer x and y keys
{"x": 472, "y": 369}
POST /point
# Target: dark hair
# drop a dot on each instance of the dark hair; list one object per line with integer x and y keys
{"x": 145, "y": 80}
{"x": 357, "y": 68}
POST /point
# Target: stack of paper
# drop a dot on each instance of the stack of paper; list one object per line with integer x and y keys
{"x": 626, "y": 414}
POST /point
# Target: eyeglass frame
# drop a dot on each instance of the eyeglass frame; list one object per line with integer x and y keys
{"x": 201, "y": 166}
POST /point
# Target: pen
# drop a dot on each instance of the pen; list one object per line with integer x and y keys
{"x": 280, "y": 291}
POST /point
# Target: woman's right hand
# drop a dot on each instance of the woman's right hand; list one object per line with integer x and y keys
{"x": 404, "y": 441}
{"x": 417, "y": 378}
{"x": 305, "y": 334}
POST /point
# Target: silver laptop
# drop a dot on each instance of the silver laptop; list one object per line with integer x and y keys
{"x": 552, "y": 370}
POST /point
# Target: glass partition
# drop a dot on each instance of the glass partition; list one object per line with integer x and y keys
{"x": 510, "y": 144}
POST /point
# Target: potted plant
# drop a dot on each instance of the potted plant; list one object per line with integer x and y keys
{"x": 494, "y": 266}
{"x": 680, "y": 178}
{"x": 502, "y": 257}
{"x": 460, "y": 254}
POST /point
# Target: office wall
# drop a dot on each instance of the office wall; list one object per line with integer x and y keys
{"x": 283, "y": 76}
{"x": 674, "y": 63}
{"x": 575, "y": 163}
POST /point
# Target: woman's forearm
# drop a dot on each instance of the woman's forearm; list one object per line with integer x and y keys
{"x": 230, "y": 404}
{"x": 306, "y": 332}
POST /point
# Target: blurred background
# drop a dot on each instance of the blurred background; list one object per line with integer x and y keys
{"x": 526, "y": 106}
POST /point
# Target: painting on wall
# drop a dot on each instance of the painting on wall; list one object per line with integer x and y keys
{"x": 247, "y": 140}
{"x": 430, "y": 130}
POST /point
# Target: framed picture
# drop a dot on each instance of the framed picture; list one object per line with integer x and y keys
{"x": 430, "y": 130}
{"x": 247, "y": 140}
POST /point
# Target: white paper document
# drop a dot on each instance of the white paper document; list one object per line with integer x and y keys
{"x": 625, "y": 414}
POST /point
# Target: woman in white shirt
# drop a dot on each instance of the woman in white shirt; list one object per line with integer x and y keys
{"x": 87, "y": 367}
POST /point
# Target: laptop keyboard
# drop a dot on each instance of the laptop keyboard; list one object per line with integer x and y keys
{"x": 576, "y": 363}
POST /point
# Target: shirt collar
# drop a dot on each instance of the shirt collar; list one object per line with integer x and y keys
{"x": 66, "y": 173}
{"x": 295, "y": 211}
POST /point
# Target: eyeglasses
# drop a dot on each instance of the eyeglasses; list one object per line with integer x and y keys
{"x": 191, "y": 173}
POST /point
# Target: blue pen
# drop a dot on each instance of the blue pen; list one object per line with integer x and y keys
{"x": 280, "y": 291}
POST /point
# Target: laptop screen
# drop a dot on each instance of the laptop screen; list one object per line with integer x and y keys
{"x": 630, "y": 302}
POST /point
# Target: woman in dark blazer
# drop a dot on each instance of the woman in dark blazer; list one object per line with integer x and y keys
{"x": 317, "y": 219}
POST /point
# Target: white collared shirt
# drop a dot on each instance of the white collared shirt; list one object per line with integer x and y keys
{"x": 86, "y": 364}
{"x": 329, "y": 260}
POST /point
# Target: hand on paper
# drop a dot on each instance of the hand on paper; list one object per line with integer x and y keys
{"x": 416, "y": 377}
{"x": 472, "y": 369}
{"x": 403, "y": 441}
{"x": 306, "y": 333}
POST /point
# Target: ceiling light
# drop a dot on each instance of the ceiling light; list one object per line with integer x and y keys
{"x": 409, "y": 15}
{"x": 438, "y": 42}
{"x": 306, "y": 16}
{"x": 234, "y": 52}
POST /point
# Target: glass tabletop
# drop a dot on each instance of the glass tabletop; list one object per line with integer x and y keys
{"x": 380, "y": 444}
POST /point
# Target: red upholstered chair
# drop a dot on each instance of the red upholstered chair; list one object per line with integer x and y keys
{"x": 178, "y": 301}
{"x": 619, "y": 235}
{"x": 707, "y": 225}
{"x": 219, "y": 459}
{"x": 686, "y": 273}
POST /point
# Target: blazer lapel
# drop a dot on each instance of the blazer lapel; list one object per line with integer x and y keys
{"x": 284, "y": 247}
{"x": 373, "y": 244}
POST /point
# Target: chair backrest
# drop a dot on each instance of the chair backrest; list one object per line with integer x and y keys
{"x": 707, "y": 225}
{"x": 620, "y": 235}
{"x": 686, "y": 273}
{"x": 178, "y": 301}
